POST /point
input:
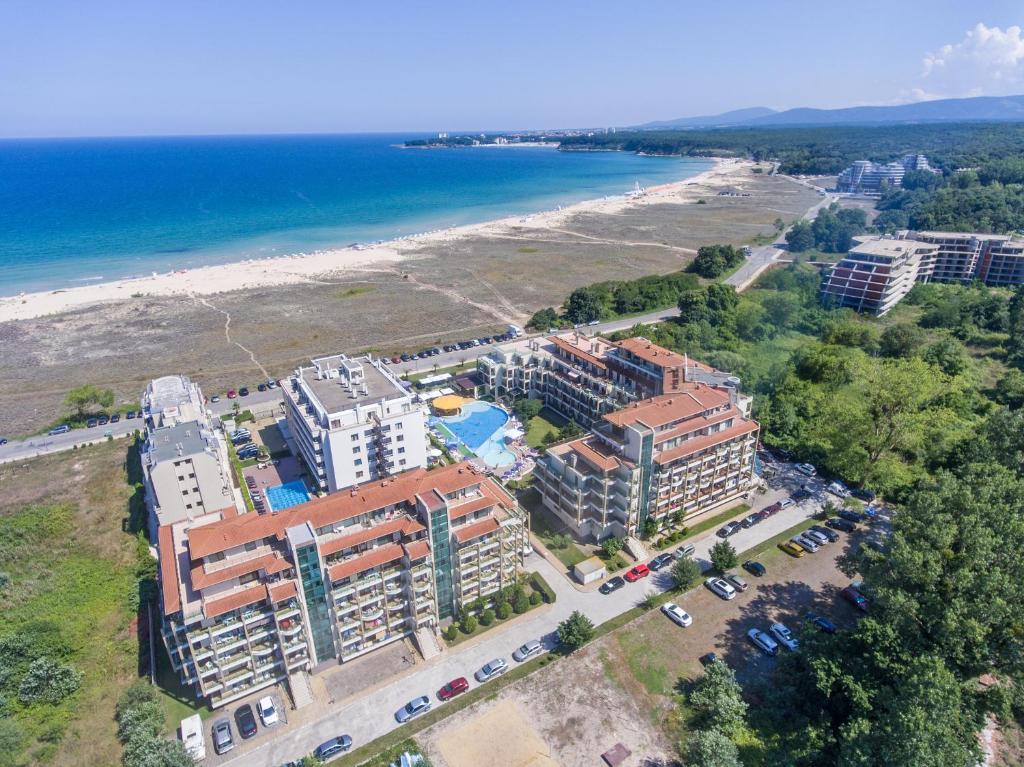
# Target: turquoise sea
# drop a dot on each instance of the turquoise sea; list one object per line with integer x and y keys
{"x": 73, "y": 212}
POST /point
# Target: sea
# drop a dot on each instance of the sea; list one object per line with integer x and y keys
{"x": 80, "y": 211}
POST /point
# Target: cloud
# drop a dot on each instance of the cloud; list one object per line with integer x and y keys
{"x": 989, "y": 61}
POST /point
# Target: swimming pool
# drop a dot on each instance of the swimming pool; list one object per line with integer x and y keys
{"x": 289, "y": 494}
{"x": 481, "y": 427}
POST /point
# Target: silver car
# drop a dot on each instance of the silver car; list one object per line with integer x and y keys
{"x": 807, "y": 545}
{"x": 222, "y": 740}
{"x": 784, "y": 636}
{"x": 413, "y": 708}
{"x": 528, "y": 650}
{"x": 736, "y": 581}
{"x": 494, "y": 668}
{"x": 815, "y": 536}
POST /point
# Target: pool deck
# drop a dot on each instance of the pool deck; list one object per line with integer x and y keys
{"x": 287, "y": 469}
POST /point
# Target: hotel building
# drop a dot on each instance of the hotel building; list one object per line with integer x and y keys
{"x": 352, "y": 421}
{"x": 667, "y": 458}
{"x": 870, "y": 178}
{"x": 185, "y": 464}
{"x": 251, "y": 600}
{"x": 879, "y": 271}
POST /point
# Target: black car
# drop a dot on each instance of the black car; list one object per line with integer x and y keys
{"x": 103, "y": 420}
{"x": 660, "y": 561}
{"x": 405, "y": 357}
{"x": 801, "y": 494}
{"x": 243, "y": 392}
{"x": 115, "y": 418}
{"x": 831, "y": 535}
{"x": 130, "y": 415}
{"x": 730, "y": 528}
{"x": 754, "y": 568}
{"x": 246, "y": 721}
{"x": 863, "y": 493}
{"x": 841, "y": 524}
{"x": 613, "y": 584}
{"x": 708, "y": 658}
{"x": 3, "y": 440}
{"x": 751, "y": 519}
{"x": 261, "y": 387}
{"x": 91, "y": 423}
{"x": 851, "y": 515}
{"x": 822, "y": 623}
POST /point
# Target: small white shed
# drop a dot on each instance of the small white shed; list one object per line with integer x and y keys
{"x": 589, "y": 570}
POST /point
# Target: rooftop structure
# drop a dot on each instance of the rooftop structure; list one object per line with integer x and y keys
{"x": 173, "y": 399}
{"x": 248, "y": 601}
{"x": 353, "y": 421}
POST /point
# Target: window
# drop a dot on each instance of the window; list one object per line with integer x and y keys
{"x": 359, "y": 474}
{"x": 368, "y": 434}
{"x": 248, "y": 578}
{"x": 181, "y": 477}
{"x": 355, "y": 437}
{"x": 358, "y": 462}
{"x": 252, "y": 545}
{"x": 398, "y": 425}
{"x": 400, "y": 438}
{"x": 192, "y": 475}
{"x": 401, "y": 462}
{"x": 217, "y": 556}
{"x": 188, "y": 505}
{"x": 356, "y": 450}
{"x": 401, "y": 450}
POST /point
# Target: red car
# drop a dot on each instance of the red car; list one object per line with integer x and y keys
{"x": 638, "y": 572}
{"x": 232, "y": 394}
{"x": 855, "y": 598}
{"x": 775, "y": 508}
{"x": 453, "y": 688}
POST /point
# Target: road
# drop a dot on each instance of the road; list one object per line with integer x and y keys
{"x": 371, "y": 715}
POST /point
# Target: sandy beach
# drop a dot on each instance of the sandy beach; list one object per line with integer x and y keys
{"x": 311, "y": 267}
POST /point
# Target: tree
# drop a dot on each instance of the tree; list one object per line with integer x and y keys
{"x": 141, "y": 720}
{"x": 717, "y": 699}
{"x": 685, "y": 573}
{"x": 48, "y": 681}
{"x": 86, "y": 399}
{"x": 528, "y": 408}
{"x": 575, "y": 631}
{"x": 723, "y": 556}
{"x": 901, "y": 340}
{"x": 560, "y": 541}
{"x": 650, "y": 528}
{"x": 584, "y": 305}
{"x": 611, "y": 546}
{"x": 504, "y": 611}
{"x": 156, "y": 752}
{"x": 1010, "y": 389}
{"x": 800, "y": 237}
{"x": 569, "y": 430}
{"x": 693, "y": 306}
{"x": 711, "y": 748}
{"x": 135, "y": 694}
{"x": 468, "y": 624}
{"x": 520, "y": 602}
{"x": 544, "y": 319}
{"x": 11, "y": 739}
{"x": 948, "y": 355}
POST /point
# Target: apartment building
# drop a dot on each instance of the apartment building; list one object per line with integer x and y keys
{"x": 184, "y": 457}
{"x": 871, "y": 178}
{"x": 352, "y": 421}
{"x": 252, "y": 600}
{"x": 879, "y": 271}
{"x": 667, "y": 458}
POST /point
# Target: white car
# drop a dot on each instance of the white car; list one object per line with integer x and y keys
{"x": 838, "y": 489}
{"x": 494, "y": 668}
{"x": 721, "y": 588}
{"x": 763, "y": 642}
{"x": 806, "y": 468}
{"x": 677, "y": 614}
{"x": 784, "y": 636}
{"x": 804, "y": 543}
{"x": 268, "y": 711}
{"x": 785, "y": 503}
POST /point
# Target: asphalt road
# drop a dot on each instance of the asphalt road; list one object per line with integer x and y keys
{"x": 371, "y": 714}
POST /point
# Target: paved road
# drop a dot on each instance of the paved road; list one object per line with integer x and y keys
{"x": 371, "y": 716}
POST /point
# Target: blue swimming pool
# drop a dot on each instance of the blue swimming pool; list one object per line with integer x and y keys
{"x": 289, "y": 494}
{"x": 481, "y": 427}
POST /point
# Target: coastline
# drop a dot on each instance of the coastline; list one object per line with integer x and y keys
{"x": 307, "y": 268}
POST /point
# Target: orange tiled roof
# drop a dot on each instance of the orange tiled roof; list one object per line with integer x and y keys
{"x": 575, "y": 351}
{"x": 692, "y": 400}
{"x": 321, "y": 512}
{"x": 417, "y": 549}
{"x": 272, "y": 563}
{"x": 476, "y": 529}
{"x": 651, "y": 352}
{"x": 404, "y": 525}
{"x": 169, "y": 580}
{"x": 279, "y": 592}
{"x": 372, "y": 558}
{"x": 595, "y": 453}
{"x": 702, "y": 443}
{"x": 248, "y": 596}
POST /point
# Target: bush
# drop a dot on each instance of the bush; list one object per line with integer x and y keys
{"x": 487, "y": 617}
{"x": 536, "y": 598}
{"x": 575, "y": 631}
{"x": 48, "y": 681}
{"x": 156, "y": 751}
{"x": 520, "y": 602}
{"x": 723, "y": 556}
{"x": 685, "y": 573}
{"x": 611, "y": 546}
{"x": 137, "y": 693}
{"x": 541, "y": 585}
{"x": 504, "y": 610}
{"x": 468, "y": 624}
{"x": 141, "y": 720}
{"x": 451, "y": 632}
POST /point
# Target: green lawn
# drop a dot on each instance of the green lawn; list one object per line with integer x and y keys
{"x": 546, "y": 422}
{"x": 541, "y": 526}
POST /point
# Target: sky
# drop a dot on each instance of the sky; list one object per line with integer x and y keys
{"x": 142, "y": 67}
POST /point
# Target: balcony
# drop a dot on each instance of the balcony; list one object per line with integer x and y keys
{"x": 421, "y": 587}
{"x": 292, "y": 646}
{"x": 235, "y": 661}
{"x": 292, "y": 608}
{"x": 291, "y": 630}
{"x": 396, "y": 604}
{"x": 371, "y": 615}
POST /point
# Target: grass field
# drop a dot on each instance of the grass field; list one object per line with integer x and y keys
{"x": 71, "y": 562}
{"x": 540, "y": 525}
{"x": 546, "y": 422}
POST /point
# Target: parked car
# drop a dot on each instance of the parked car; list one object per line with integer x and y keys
{"x": 801, "y": 493}
{"x": 62, "y": 429}
{"x": 838, "y": 489}
{"x": 232, "y": 394}
{"x": 271, "y": 383}
{"x": 413, "y": 708}
{"x": 115, "y": 418}
{"x": 729, "y": 528}
{"x": 852, "y": 515}
{"x": 686, "y": 550}
{"x": 863, "y": 494}
{"x": 855, "y": 598}
{"x": 660, "y": 561}
{"x": 129, "y": 415}
{"x": 612, "y": 584}
{"x": 792, "y": 549}
{"x": 736, "y": 582}
{"x": 754, "y": 568}
{"x": 819, "y": 538}
{"x": 261, "y": 387}
{"x": 103, "y": 420}
{"x": 806, "y": 469}
{"x": 720, "y": 588}
{"x": 246, "y": 721}
{"x": 243, "y": 392}
{"x": 751, "y": 519}
{"x": 837, "y": 523}
{"x": 785, "y": 503}
{"x": 830, "y": 534}
{"x": 214, "y": 398}
{"x": 708, "y": 658}
{"x": 453, "y": 688}
{"x": 268, "y": 711}
{"x": 494, "y": 668}
{"x": 763, "y": 642}
{"x": 528, "y": 650}
{"x": 3, "y": 440}
{"x": 222, "y": 739}
{"x": 820, "y": 622}
{"x": 332, "y": 747}
{"x": 806, "y": 544}
{"x": 677, "y": 614}
{"x": 638, "y": 572}
{"x": 784, "y": 636}
{"x": 91, "y": 423}
{"x": 773, "y": 509}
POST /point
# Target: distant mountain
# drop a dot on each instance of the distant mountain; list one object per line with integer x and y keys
{"x": 980, "y": 108}
{"x": 735, "y": 117}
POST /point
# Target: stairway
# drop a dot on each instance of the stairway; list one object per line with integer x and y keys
{"x": 635, "y": 548}
{"x": 426, "y": 641}
{"x": 302, "y": 693}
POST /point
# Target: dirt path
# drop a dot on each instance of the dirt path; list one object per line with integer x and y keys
{"x": 227, "y": 334}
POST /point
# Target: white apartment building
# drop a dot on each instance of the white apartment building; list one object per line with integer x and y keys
{"x": 184, "y": 458}
{"x": 352, "y": 421}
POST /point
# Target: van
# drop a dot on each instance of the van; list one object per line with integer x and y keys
{"x": 62, "y": 429}
{"x": 192, "y": 736}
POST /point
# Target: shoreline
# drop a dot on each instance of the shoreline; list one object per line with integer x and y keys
{"x": 307, "y": 268}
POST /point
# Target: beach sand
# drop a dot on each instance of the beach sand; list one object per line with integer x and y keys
{"x": 313, "y": 267}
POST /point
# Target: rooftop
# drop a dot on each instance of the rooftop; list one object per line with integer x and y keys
{"x": 695, "y": 399}
{"x": 887, "y": 247}
{"x": 593, "y": 349}
{"x": 651, "y": 352}
{"x": 169, "y": 443}
{"x": 341, "y": 383}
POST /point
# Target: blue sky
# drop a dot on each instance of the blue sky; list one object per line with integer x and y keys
{"x": 143, "y": 67}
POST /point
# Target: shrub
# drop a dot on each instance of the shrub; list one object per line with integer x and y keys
{"x": 48, "y": 681}
{"x": 541, "y": 585}
{"x": 451, "y": 632}
{"x": 149, "y": 751}
{"x": 723, "y": 556}
{"x": 141, "y": 720}
{"x": 468, "y": 624}
{"x": 487, "y": 617}
{"x": 520, "y": 602}
{"x": 611, "y": 546}
{"x": 504, "y": 610}
{"x": 536, "y": 598}
{"x": 685, "y": 573}
{"x": 575, "y": 631}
